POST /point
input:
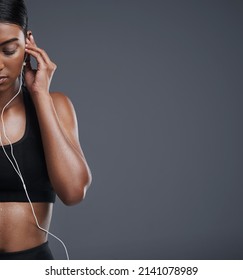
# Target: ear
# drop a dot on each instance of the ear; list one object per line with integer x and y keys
{"x": 28, "y": 34}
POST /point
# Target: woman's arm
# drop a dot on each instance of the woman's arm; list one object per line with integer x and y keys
{"x": 66, "y": 164}
{"x": 67, "y": 168}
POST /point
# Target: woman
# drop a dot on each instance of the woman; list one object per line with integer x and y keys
{"x": 43, "y": 131}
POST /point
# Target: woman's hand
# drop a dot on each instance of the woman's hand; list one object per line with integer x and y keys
{"x": 38, "y": 80}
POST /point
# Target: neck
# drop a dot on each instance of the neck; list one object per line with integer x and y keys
{"x": 8, "y": 94}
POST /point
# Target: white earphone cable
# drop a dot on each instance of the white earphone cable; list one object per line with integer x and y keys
{"x": 17, "y": 170}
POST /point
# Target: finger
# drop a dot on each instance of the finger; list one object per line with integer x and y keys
{"x": 31, "y": 43}
{"x": 37, "y": 56}
{"x": 32, "y": 40}
{"x": 40, "y": 52}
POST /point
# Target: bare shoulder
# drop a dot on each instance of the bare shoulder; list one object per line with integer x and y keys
{"x": 61, "y": 100}
{"x": 63, "y": 105}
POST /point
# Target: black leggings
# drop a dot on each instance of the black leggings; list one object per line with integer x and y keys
{"x": 41, "y": 252}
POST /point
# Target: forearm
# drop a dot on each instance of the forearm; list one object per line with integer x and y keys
{"x": 66, "y": 164}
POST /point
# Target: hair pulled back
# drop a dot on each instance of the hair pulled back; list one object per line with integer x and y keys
{"x": 14, "y": 12}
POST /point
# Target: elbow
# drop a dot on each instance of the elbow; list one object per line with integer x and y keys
{"x": 71, "y": 199}
{"x": 78, "y": 193}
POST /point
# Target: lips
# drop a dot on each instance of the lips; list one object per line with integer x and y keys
{"x": 3, "y": 79}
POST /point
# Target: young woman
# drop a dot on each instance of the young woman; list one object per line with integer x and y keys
{"x": 41, "y": 128}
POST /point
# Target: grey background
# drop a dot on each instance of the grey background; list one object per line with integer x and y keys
{"x": 157, "y": 88}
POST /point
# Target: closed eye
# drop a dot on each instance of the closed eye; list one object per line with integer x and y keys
{"x": 9, "y": 52}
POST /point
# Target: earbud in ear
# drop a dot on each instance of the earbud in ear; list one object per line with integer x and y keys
{"x": 25, "y": 58}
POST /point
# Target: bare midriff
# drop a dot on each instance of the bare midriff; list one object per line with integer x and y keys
{"x": 18, "y": 229}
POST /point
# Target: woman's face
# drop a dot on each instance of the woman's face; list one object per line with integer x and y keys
{"x": 12, "y": 51}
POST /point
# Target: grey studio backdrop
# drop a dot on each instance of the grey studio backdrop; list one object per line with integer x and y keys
{"x": 157, "y": 87}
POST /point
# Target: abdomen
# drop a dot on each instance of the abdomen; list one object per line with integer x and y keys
{"x": 18, "y": 229}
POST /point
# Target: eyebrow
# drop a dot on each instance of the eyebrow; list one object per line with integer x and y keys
{"x": 8, "y": 41}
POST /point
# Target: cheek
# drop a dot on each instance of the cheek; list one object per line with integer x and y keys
{"x": 14, "y": 64}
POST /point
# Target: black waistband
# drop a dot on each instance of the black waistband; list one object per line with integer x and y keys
{"x": 41, "y": 252}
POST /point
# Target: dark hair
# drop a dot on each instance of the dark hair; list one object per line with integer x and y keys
{"x": 15, "y": 12}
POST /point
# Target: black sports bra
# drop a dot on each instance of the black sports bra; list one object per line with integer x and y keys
{"x": 30, "y": 157}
